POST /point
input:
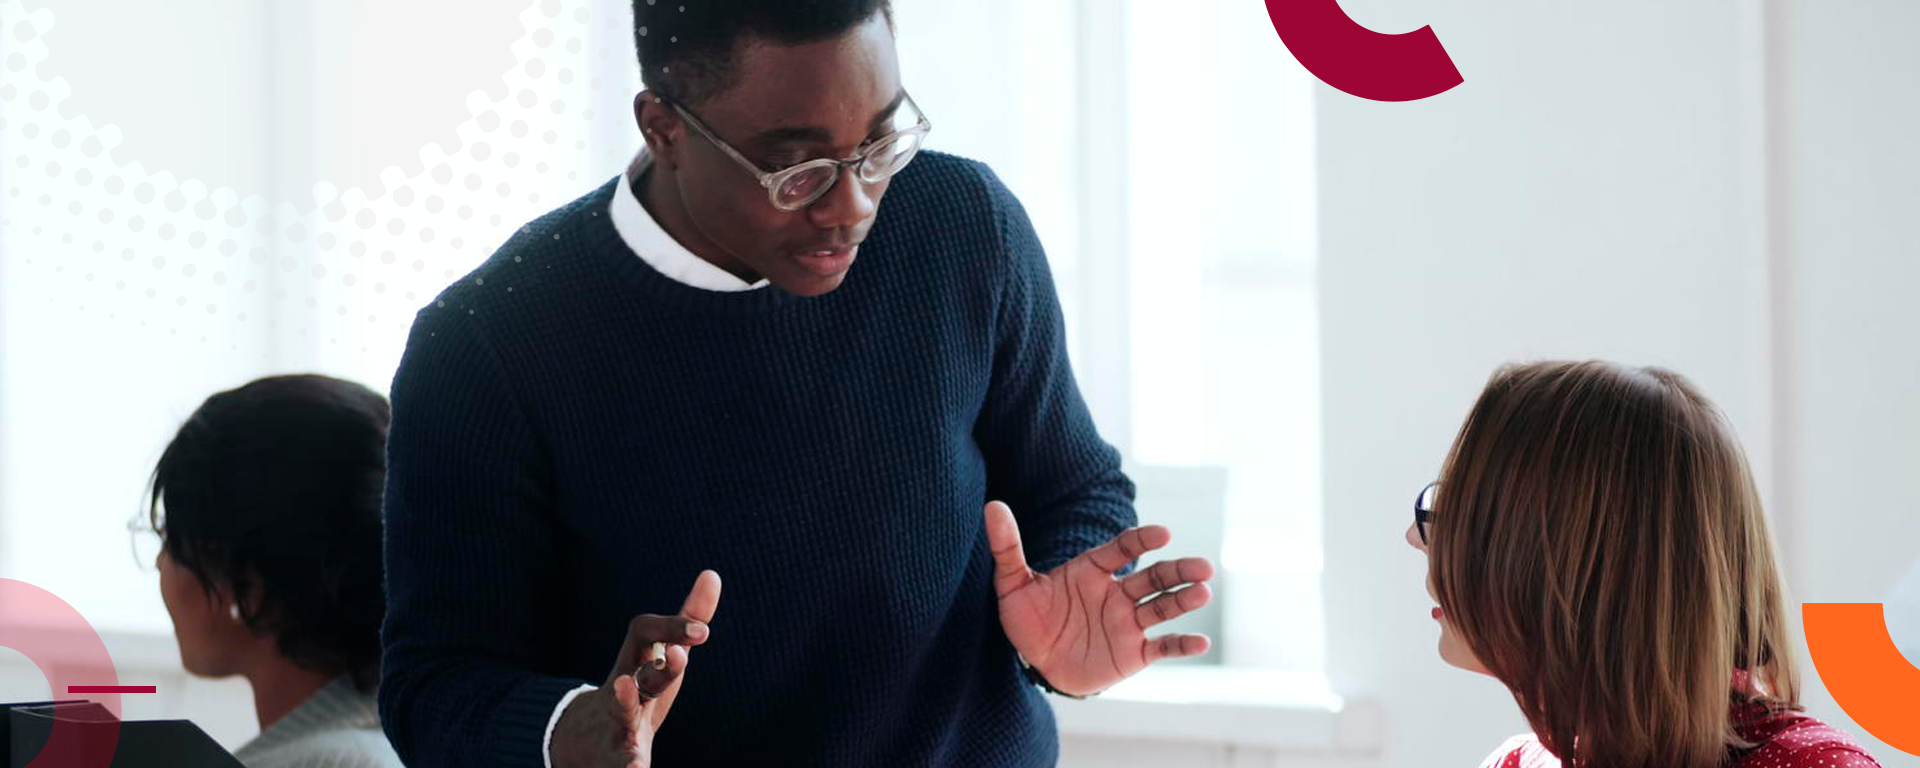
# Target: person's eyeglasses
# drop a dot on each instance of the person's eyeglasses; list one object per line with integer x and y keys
{"x": 1423, "y": 509}
{"x": 798, "y": 186}
{"x": 146, "y": 544}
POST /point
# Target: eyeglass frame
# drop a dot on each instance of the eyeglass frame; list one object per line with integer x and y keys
{"x": 1423, "y": 513}
{"x": 771, "y": 180}
{"x": 137, "y": 530}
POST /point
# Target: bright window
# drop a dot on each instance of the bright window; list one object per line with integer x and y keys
{"x": 1177, "y": 208}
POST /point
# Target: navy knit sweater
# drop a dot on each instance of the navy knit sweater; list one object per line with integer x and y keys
{"x": 576, "y": 436}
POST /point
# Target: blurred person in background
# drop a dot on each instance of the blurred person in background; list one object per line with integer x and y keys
{"x": 267, "y": 507}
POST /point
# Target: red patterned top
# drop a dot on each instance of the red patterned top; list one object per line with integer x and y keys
{"x": 1785, "y": 739}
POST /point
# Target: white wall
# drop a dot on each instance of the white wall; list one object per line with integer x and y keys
{"x": 1850, "y": 237}
{"x": 1599, "y": 187}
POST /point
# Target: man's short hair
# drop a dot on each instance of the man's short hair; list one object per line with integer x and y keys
{"x": 687, "y": 47}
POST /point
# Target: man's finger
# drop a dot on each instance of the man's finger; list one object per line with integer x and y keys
{"x": 644, "y": 631}
{"x": 1165, "y": 575}
{"x": 626, "y": 712}
{"x": 1129, "y": 546}
{"x": 1172, "y": 605}
{"x": 1175, "y": 647}
{"x": 704, "y": 599}
{"x": 678, "y": 630}
{"x": 1010, "y": 570}
{"x": 654, "y": 682}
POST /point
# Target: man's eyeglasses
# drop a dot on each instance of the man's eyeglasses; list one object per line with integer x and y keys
{"x": 798, "y": 186}
{"x": 1423, "y": 509}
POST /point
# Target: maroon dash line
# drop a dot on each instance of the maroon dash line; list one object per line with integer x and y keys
{"x": 110, "y": 689}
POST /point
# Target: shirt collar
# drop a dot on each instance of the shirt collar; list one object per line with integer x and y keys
{"x": 648, "y": 240}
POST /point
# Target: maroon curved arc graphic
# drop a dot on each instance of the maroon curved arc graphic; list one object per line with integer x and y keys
{"x": 1360, "y": 61}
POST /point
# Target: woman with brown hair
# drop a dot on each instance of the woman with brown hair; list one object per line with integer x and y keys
{"x": 1596, "y": 543}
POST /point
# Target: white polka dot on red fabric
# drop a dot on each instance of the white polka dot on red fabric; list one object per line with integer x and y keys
{"x": 1790, "y": 741}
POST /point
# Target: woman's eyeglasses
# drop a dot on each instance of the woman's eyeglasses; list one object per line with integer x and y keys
{"x": 146, "y": 543}
{"x": 1423, "y": 509}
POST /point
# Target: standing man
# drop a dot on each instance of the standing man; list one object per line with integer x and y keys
{"x": 683, "y": 372}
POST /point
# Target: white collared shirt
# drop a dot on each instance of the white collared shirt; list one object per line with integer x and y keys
{"x": 648, "y": 240}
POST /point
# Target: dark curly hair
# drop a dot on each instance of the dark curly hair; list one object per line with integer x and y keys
{"x": 272, "y": 492}
{"x": 686, "y": 47}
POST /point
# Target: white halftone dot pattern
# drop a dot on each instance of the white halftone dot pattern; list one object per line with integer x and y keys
{"x": 103, "y": 170}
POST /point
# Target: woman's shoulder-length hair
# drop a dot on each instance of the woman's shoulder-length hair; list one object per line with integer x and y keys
{"x": 1598, "y": 542}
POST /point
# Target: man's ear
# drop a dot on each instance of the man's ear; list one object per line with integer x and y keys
{"x": 660, "y": 128}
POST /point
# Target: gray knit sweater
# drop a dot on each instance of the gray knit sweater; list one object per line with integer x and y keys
{"x": 336, "y": 727}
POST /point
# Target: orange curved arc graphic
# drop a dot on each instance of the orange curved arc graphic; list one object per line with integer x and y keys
{"x": 1855, "y": 657}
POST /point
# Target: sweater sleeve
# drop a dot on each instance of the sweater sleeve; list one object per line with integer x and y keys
{"x": 470, "y": 541}
{"x": 1044, "y": 456}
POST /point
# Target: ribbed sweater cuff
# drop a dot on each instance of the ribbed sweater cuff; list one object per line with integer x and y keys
{"x": 520, "y": 722}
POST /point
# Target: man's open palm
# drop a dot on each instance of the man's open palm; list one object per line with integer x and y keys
{"x": 1083, "y": 629}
